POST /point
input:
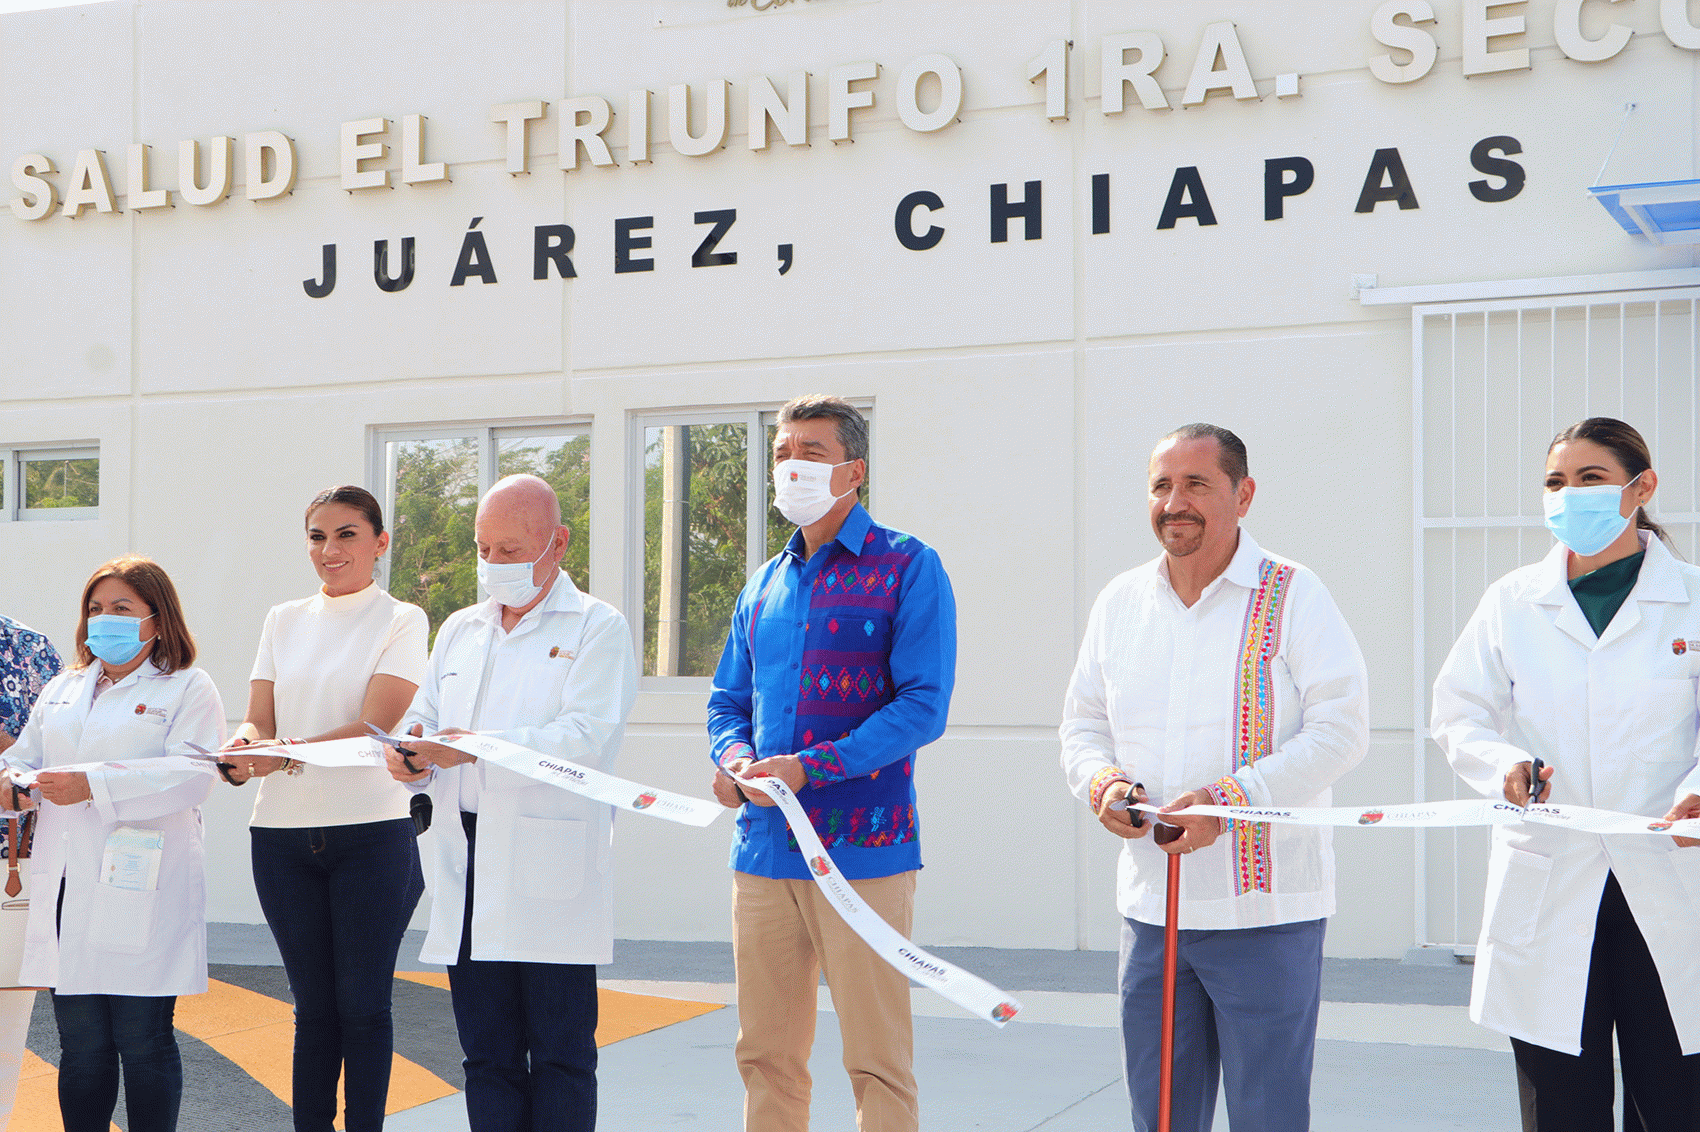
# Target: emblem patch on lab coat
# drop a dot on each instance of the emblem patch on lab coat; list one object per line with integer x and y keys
{"x": 1680, "y": 646}
{"x": 558, "y": 652}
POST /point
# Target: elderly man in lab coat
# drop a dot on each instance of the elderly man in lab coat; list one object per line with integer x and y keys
{"x": 521, "y": 871}
{"x": 1218, "y": 673}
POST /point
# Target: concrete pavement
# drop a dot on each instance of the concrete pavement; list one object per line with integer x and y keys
{"x": 1395, "y": 1053}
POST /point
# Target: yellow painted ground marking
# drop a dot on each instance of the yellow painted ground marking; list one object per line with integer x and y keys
{"x": 37, "y": 1105}
{"x": 619, "y": 1015}
{"x": 254, "y": 1031}
{"x": 410, "y": 1084}
{"x": 257, "y": 1033}
{"x": 438, "y": 979}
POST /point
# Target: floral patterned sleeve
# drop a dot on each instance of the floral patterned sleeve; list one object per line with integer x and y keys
{"x": 28, "y": 661}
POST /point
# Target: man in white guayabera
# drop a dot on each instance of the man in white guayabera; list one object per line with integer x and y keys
{"x": 1217, "y": 673}
{"x": 520, "y": 870}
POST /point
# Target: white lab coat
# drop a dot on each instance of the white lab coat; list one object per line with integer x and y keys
{"x": 1617, "y": 716}
{"x": 114, "y": 940}
{"x": 563, "y": 681}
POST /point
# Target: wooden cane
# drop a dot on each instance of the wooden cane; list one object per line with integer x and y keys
{"x": 1171, "y": 950}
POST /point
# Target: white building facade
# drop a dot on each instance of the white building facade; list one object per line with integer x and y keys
{"x": 254, "y": 250}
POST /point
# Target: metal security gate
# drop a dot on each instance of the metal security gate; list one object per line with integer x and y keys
{"x": 1494, "y": 381}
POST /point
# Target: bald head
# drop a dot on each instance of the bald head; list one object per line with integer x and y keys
{"x": 519, "y": 520}
{"x": 526, "y": 498}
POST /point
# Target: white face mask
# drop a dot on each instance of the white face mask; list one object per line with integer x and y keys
{"x": 802, "y": 490}
{"x": 510, "y": 582}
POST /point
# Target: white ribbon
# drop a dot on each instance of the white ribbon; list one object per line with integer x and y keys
{"x": 368, "y": 751}
{"x": 1582, "y": 819}
{"x": 594, "y": 784}
{"x": 968, "y": 991}
{"x": 329, "y": 752}
{"x": 145, "y": 768}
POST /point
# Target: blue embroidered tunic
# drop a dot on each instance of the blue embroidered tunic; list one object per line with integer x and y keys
{"x": 846, "y": 660}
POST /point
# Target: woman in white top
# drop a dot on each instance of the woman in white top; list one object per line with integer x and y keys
{"x": 1588, "y": 661}
{"x": 118, "y": 947}
{"x": 335, "y": 863}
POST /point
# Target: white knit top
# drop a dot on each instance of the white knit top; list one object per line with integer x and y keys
{"x": 320, "y": 654}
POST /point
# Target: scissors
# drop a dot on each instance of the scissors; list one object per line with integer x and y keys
{"x": 1138, "y": 818}
{"x": 391, "y": 741}
{"x": 1537, "y": 787}
{"x": 224, "y": 768}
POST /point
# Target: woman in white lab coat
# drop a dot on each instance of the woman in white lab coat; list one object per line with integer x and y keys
{"x": 117, "y": 924}
{"x": 1588, "y": 661}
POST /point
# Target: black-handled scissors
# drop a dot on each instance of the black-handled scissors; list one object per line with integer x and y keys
{"x": 1126, "y": 803}
{"x": 1537, "y": 786}
{"x": 225, "y": 768}
{"x": 390, "y": 741}
{"x": 407, "y": 760}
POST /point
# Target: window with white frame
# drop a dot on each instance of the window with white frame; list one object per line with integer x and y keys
{"x": 50, "y": 481}
{"x": 708, "y": 522}
{"x": 432, "y": 479}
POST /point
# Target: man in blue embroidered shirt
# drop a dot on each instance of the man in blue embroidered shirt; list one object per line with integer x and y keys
{"x": 838, "y": 666}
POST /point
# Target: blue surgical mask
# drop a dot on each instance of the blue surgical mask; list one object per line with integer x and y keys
{"x": 1586, "y": 519}
{"x": 116, "y": 639}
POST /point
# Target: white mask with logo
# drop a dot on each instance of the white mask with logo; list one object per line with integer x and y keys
{"x": 802, "y": 490}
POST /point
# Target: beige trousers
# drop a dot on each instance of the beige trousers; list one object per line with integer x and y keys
{"x": 784, "y": 936}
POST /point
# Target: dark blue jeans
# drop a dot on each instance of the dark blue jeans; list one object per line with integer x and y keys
{"x": 96, "y": 1032}
{"x": 338, "y": 899}
{"x": 529, "y": 1034}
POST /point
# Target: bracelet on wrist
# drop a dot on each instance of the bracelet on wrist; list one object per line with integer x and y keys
{"x": 1101, "y": 782}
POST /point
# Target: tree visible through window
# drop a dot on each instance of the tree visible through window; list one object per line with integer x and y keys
{"x": 708, "y": 524}
{"x": 435, "y": 483}
{"x": 694, "y": 547}
{"x": 42, "y": 482}
{"x": 61, "y": 482}
{"x": 431, "y": 548}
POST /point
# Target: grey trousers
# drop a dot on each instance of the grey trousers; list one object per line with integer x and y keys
{"x": 1245, "y": 1011}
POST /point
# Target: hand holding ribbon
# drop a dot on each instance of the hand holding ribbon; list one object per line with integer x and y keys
{"x": 787, "y": 768}
{"x": 1197, "y": 831}
{"x": 1686, "y": 810}
{"x": 968, "y": 991}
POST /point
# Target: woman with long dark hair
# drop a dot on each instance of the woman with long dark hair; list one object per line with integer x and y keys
{"x": 1588, "y": 661}
{"x": 335, "y": 863}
